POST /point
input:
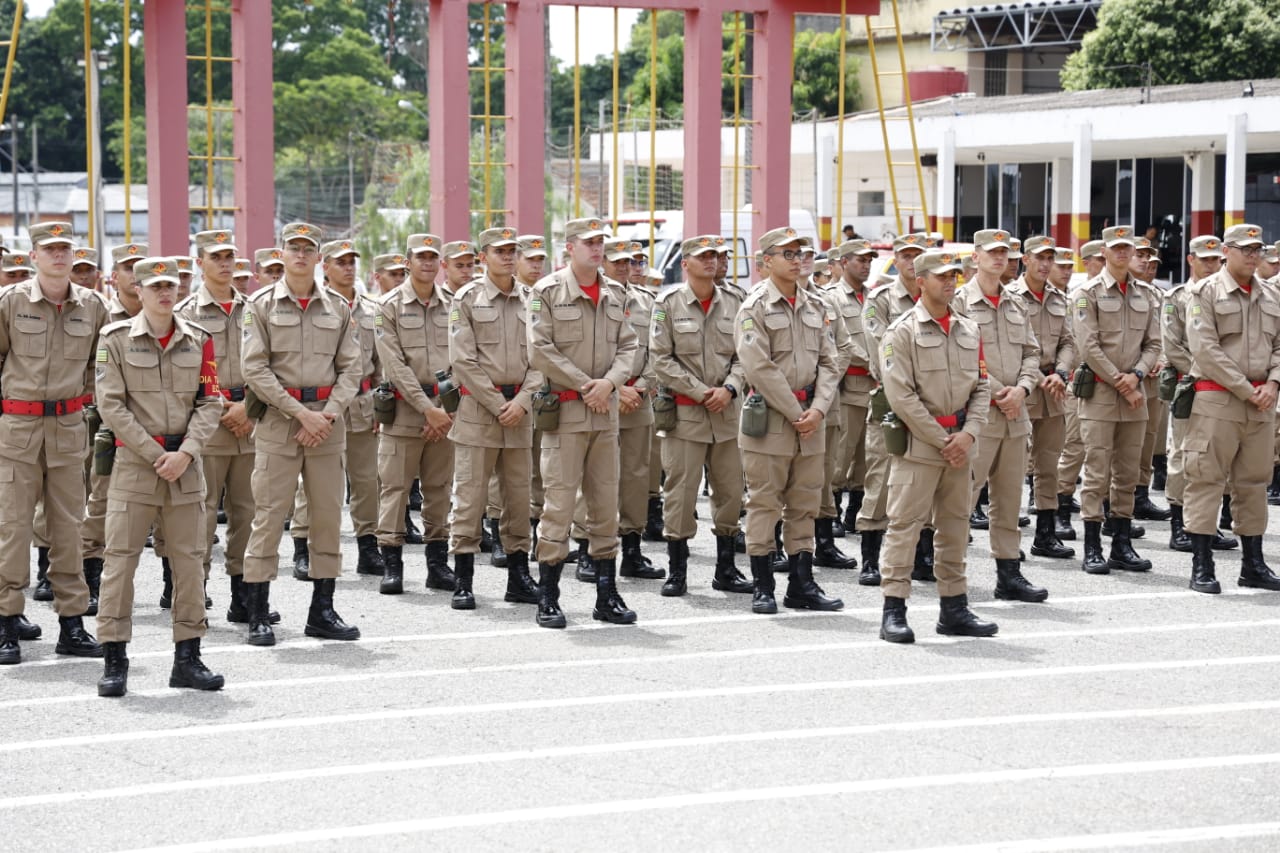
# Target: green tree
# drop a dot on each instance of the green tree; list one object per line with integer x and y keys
{"x": 1171, "y": 42}
{"x": 817, "y": 75}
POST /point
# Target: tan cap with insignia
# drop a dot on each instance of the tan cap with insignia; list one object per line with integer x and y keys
{"x": 1243, "y": 235}
{"x": 1206, "y": 246}
{"x": 1271, "y": 254}
{"x": 128, "y": 252}
{"x": 1040, "y": 243}
{"x": 384, "y": 263}
{"x": 498, "y": 237}
{"x": 938, "y": 262}
{"x": 584, "y": 229}
{"x": 148, "y": 271}
{"x": 422, "y": 243}
{"x": 186, "y": 264}
{"x": 992, "y": 238}
{"x": 1118, "y": 235}
{"x": 617, "y": 250}
{"x": 458, "y": 248}
{"x": 779, "y": 237}
{"x": 243, "y": 268}
{"x": 268, "y": 257}
{"x": 84, "y": 255}
{"x": 856, "y": 247}
{"x": 914, "y": 240}
{"x": 18, "y": 261}
{"x": 215, "y": 241}
{"x": 1064, "y": 257}
{"x": 49, "y": 233}
{"x": 301, "y": 231}
{"x": 338, "y": 249}
{"x": 1092, "y": 249}
{"x": 698, "y": 245}
{"x": 532, "y": 245}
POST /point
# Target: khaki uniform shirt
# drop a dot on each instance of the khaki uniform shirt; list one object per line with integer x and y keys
{"x": 364, "y": 316}
{"x": 930, "y": 374}
{"x": 146, "y": 391}
{"x": 844, "y": 345}
{"x": 487, "y": 348}
{"x": 1010, "y": 351}
{"x": 883, "y": 305}
{"x": 47, "y": 354}
{"x": 1116, "y": 333}
{"x": 854, "y": 390}
{"x": 413, "y": 343}
{"x": 573, "y": 340}
{"x": 784, "y": 349}
{"x": 1173, "y": 333}
{"x": 1048, "y": 321}
{"x": 287, "y": 347}
{"x": 639, "y": 310}
{"x": 692, "y": 353}
{"x": 228, "y": 339}
{"x": 116, "y": 310}
{"x": 1234, "y": 339}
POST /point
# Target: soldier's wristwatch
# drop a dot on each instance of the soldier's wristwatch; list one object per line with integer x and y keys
{"x": 733, "y": 392}
{"x": 1139, "y": 374}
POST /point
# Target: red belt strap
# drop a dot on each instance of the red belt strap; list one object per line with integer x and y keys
{"x": 366, "y": 385}
{"x": 45, "y": 408}
{"x": 632, "y": 381}
{"x": 682, "y": 400}
{"x": 464, "y": 391}
{"x": 1210, "y": 385}
{"x": 164, "y": 441}
{"x": 567, "y": 396}
{"x": 802, "y": 395}
{"x": 948, "y": 421}
{"x": 857, "y": 371}
{"x": 321, "y": 393}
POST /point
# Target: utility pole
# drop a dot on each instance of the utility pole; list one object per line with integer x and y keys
{"x": 603, "y": 204}
{"x": 13, "y": 163}
{"x": 35, "y": 171}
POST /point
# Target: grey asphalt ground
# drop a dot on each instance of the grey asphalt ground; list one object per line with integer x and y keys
{"x": 1124, "y": 713}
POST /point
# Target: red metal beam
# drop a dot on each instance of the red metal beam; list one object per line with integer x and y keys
{"x": 254, "y": 127}
{"x": 165, "y": 36}
{"x": 449, "y": 110}
{"x": 703, "y": 47}
{"x": 526, "y": 130}
{"x": 771, "y": 139}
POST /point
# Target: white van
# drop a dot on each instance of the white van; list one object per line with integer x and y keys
{"x": 669, "y": 232}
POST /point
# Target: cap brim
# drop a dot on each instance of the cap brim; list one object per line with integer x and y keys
{"x": 534, "y": 253}
{"x": 420, "y": 249}
{"x": 1237, "y": 243}
{"x": 702, "y": 250}
{"x": 453, "y": 255}
{"x": 497, "y": 243}
{"x": 391, "y": 267}
{"x": 172, "y": 279}
{"x": 618, "y": 256}
{"x": 588, "y": 235}
{"x": 223, "y": 247}
{"x": 1120, "y": 241}
{"x": 51, "y": 241}
{"x": 1065, "y": 262}
{"x": 987, "y": 247}
{"x": 343, "y": 253}
{"x": 274, "y": 262}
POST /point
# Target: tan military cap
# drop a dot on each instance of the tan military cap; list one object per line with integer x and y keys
{"x": 186, "y": 264}
{"x": 1040, "y": 243}
{"x": 532, "y": 245}
{"x": 268, "y": 257}
{"x": 49, "y": 233}
{"x": 821, "y": 265}
{"x": 1064, "y": 257}
{"x": 385, "y": 263}
{"x": 498, "y": 237}
{"x": 779, "y": 237}
{"x": 1015, "y": 249}
{"x": 1206, "y": 246}
{"x": 992, "y": 238}
{"x": 584, "y": 229}
{"x": 722, "y": 245}
{"x": 18, "y": 261}
{"x": 1091, "y": 249}
{"x": 243, "y": 268}
{"x": 914, "y": 240}
{"x": 458, "y": 248}
{"x": 654, "y": 276}
{"x": 215, "y": 241}
{"x": 617, "y": 250}
{"x": 338, "y": 249}
{"x": 1243, "y": 235}
{"x": 422, "y": 243}
{"x": 148, "y": 271}
{"x": 698, "y": 245}
{"x": 128, "y": 252}
{"x": 84, "y": 255}
{"x": 638, "y": 250}
{"x": 302, "y": 231}
{"x": 938, "y": 263}
{"x": 856, "y": 247}
{"x": 1143, "y": 244}
{"x": 1118, "y": 235}
{"x": 1272, "y": 253}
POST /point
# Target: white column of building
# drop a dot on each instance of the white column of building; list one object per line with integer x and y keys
{"x": 1237, "y": 150}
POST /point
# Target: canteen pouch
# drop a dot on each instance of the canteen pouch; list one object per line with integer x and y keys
{"x": 384, "y": 404}
{"x": 879, "y": 404}
{"x": 895, "y": 434}
{"x": 104, "y": 452}
{"x": 546, "y": 409}
{"x": 253, "y": 407}
{"x": 1183, "y": 396}
{"x": 755, "y": 416}
{"x": 449, "y": 394}
{"x": 1083, "y": 384}
{"x": 664, "y": 410}
{"x": 1168, "y": 383}
{"x": 92, "y": 420}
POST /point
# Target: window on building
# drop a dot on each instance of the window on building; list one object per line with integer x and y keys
{"x": 871, "y": 204}
{"x": 996, "y": 74}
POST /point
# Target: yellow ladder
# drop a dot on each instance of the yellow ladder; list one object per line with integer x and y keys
{"x": 896, "y": 166}
{"x": 12, "y": 44}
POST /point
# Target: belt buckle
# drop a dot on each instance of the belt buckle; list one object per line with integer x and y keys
{"x": 236, "y": 395}
{"x": 308, "y": 395}
{"x": 508, "y": 391}
{"x": 52, "y": 408}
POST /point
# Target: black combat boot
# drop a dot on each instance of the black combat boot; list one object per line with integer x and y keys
{"x": 1178, "y": 538}
{"x": 438, "y": 574}
{"x": 1159, "y": 472}
{"x": 166, "y": 591}
{"x": 498, "y": 556}
{"x": 1273, "y": 490}
{"x": 549, "y": 614}
{"x": 739, "y": 542}
{"x": 1046, "y": 544}
{"x": 1254, "y": 571}
{"x": 1223, "y": 541}
{"x": 115, "y": 670}
{"x": 392, "y": 570}
{"x": 533, "y": 534}
{"x": 486, "y": 536}
{"x": 239, "y": 610}
{"x": 370, "y": 561}
{"x": 825, "y": 553}
{"x": 778, "y": 555}
{"x": 851, "y": 511}
{"x": 634, "y": 563}
{"x": 189, "y": 670}
{"x": 1122, "y": 554}
{"x": 74, "y": 640}
{"x": 520, "y": 586}
{"x": 1062, "y": 520}
{"x": 609, "y": 604}
{"x": 93, "y": 579}
{"x": 257, "y": 600}
{"x": 653, "y": 520}
{"x": 923, "y": 570}
{"x": 301, "y": 560}
{"x": 1012, "y": 586}
{"x": 727, "y": 578}
{"x": 44, "y": 589}
{"x": 762, "y": 600}
{"x": 955, "y": 619}
{"x": 837, "y": 528}
{"x": 1144, "y": 509}
{"x": 803, "y": 592}
{"x": 1094, "y": 562}
{"x": 322, "y": 620}
{"x": 978, "y": 518}
{"x": 893, "y": 622}
{"x": 1203, "y": 578}
{"x": 412, "y": 536}
{"x": 1136, "y": 531}
{"x": 10, "y": 651}
{"x": 415, "y": 497}
{"x": 678, "y": 567}
{"x": 27, "y": 630}
{"x": 464, "y": 571}
{"x": 1225, "y": 520}
{"x": 871, "y": 542}
{"x": 586, "y": 571}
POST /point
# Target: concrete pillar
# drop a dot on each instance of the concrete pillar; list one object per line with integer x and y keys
{"x": 945, "y": 216}
{"x": 254, "y": 126}
{"x": 1202, "y": 190}
{"x": 449, "y": 110}
{"x": 703, "y": 46}
{"x": 1059, "y": 202}
{"x": 771, "y": 140}
{"x": 526, "y": 129}
{"x": 1237, "y": 151}
{"x": 1081, "y": 180}
{"x": 825, "y": 192}
{"x": 165, "y": 37}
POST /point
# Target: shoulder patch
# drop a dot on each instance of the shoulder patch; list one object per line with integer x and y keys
{"x": 748, "y": 324}
{"x": 1195, "y": 310}
{"x": 659, "y": 315}
{"x": 102, "y": 355}
{"x": 248, "y": 319}
{"x": 1082, "y": 302}
{"x": 535, "y": 304}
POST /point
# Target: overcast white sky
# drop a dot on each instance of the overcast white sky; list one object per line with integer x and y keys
{"x": 595, "y": 29}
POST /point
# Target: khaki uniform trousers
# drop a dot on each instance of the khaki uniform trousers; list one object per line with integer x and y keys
{"x": 1001, "y": 464}
{"x": 275, "y": 480}
{"x": 830, "y": 465}
{"x": 1157, "y": 419}
{"x": 1047, "y": 437}
{"x": 1218, "y": 455}
{"x": 537, "y": 493}
{"x": 401, "y": 460}
{"x": 495, "y": 498}
{"x": 683, "y": 461}
{"x": 919, "y": 492}
{"x": 1072, "y": 459}
{"x": 875, "y": 503}
{"x": 232, "y": 476}
{"x": 786, "y": 488}
{"x": 656, "y": 463}
{"x": 1162, "y": 431}
{"x": 851, "y": 464}
{"x": 573, "y": 460}
{"x": 474, "y": 467}
{"x": 21, "y": 485}
{"x": 634, "y": 451}
{"x": 362, "y": 479}
{"x": 127, "y": 526}
{"x": 1110, "y": 466}
{"x": 93, "y": 531}
{"x": 1177, "y": 480}
{"x": 40, "y": 531}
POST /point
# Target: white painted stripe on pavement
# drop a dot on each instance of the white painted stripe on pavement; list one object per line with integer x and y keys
{"x": 746, "y": 795}
{"x": 623, "y": 660}
{"x": 1113, "y": 840}
{"x": 99, "y": 739}
{"x": 653, "y": 745}
{"x": 643, "y": 624}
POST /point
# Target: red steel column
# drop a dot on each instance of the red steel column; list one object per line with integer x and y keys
{"x": 526, "y": 129}
{"x": 254, "y": 126}
{"x": 703, "y": 46}
{"x": 449, "y": 110}
{"x": 771, "y": 91}
{"x": 165, "y": 38}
